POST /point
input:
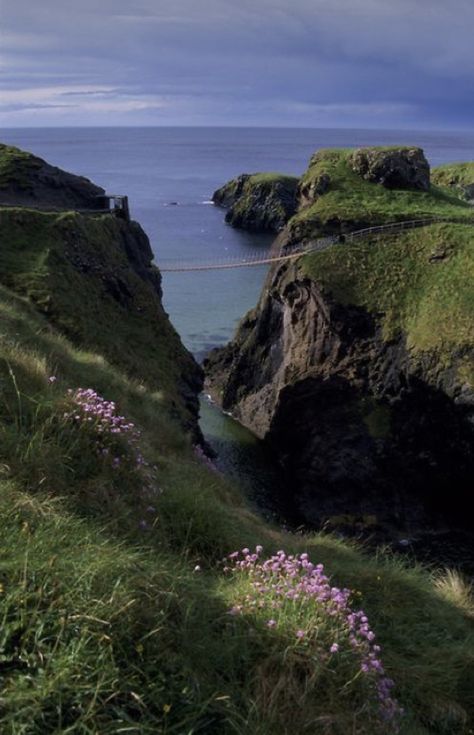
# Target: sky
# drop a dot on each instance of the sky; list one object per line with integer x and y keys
{"x": 292, "y": 63}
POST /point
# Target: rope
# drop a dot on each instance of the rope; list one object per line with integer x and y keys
{"x": 315, "y": 246}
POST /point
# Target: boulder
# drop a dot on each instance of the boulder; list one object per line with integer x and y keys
{"x": 394, "y": 168}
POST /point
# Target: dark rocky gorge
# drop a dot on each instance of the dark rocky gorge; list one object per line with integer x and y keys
{"x": 371, "y": 431}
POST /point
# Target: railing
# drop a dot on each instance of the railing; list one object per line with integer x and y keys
{"x": 118, "y": 205}
{"x": 322, "y": 243}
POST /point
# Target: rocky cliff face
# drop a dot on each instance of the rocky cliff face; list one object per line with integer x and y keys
{"x": 359, "y": 424}
{"x": 258, "y": 202}
{"x": 356, "y": 368}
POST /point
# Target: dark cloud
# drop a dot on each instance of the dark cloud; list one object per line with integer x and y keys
{"x": 308, "y": 62}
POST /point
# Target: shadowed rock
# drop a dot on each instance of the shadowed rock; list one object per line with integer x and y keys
{"x": 394, "y": 168}
{"x": 258, "y": 202}
{"x": 27, "y": 180}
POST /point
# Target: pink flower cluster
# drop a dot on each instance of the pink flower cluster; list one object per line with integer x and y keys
{"x": 90, "y": 409}
{"x": 283, "y": 581}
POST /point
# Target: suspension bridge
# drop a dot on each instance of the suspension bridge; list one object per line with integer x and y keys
{"x": 280, "y": 254}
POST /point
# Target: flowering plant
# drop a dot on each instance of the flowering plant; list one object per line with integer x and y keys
{"x": 91, "y": 411}
{"x": 291, "y": 588}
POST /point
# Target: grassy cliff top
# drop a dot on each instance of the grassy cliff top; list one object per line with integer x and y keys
{"x": 272, "y": 177}
{"x": 26, "y": 179}
{"x": 418, "y": 282}
{"x": 16, "y": 166}
{"x": 350, "y": 199}
{"x": 244, "y": 185}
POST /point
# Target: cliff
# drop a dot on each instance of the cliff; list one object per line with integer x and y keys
{"x": 114, "y": 528}
{"x": 28, "y": 180}
{"x": 87, "y": 272}
{"x": 357, "y": 364}
{"x": 457, "y": 178}
{"x": 258, "y": 202}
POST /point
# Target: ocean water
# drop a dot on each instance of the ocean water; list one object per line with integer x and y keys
{"x": 158, "y": 166}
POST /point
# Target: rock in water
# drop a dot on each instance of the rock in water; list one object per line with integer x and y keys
{"x": 258, "y": 202}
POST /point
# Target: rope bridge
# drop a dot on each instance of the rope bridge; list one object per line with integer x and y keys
{"x": 272, "y": 255}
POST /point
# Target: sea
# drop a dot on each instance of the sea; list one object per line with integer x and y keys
{"x": 169, "y": 175}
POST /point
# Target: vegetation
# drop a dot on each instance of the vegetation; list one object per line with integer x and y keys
{"x": 412, "y": 280}
{"x": 115, "y": 609}
{"x": 262, "y": 202}
{"x": 274, "y": 178}
{"x": 350, "y": 200}
{"x": 16, "y": 166}
{"x": 456, "y": 176}
{"x": 75, "y": 269}
{"x": 116, "y": 613}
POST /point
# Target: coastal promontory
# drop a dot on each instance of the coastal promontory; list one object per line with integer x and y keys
{"x": 356, "y": 365}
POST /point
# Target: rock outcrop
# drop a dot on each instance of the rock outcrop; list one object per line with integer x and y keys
{"x": 356, "y": 367}
{"x": 394, "y": 168}
{"x": 258, "y": 202}
{"x": 27, "y": 180}
{"x": 358, "y": 424}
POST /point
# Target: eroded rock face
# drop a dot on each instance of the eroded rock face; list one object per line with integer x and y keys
{"x": 308, "y": 192}
{"x": 394, "y": 168}
{"x": 258, "y": 203}
{"x": 358, "y": 425}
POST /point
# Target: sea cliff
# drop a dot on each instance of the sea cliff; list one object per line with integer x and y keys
{"x": 129, "y": 566}
{"x": 258, "y": 202}
{"x": 356, "y": 366}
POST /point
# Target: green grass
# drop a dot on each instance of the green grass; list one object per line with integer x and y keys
{"x": 75, "y": 270}
{"x": 274, "y": 178}
{"x": 454, "y": 176}
{"x": 15, "y": 167}
{"x": 106, "y": 627}
{"x": 354, "y": 202}
{"x": 419, "y": 283}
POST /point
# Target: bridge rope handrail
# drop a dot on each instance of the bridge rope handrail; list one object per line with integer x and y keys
{"x": 322, "y": 243}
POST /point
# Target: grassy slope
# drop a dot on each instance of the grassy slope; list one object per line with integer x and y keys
{"x": 71, "y": 267}
{"x": 15, "y": 167}
{"x": 419, "y": 282}
{"x": 454, "y": 176}
{"x": 106, "y": 625}
{"x": 352, "y": 199}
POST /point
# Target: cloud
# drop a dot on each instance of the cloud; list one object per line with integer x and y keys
{"x": 252, "y": 62}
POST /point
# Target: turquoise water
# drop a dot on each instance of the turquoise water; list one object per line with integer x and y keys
{"x": 157, "y": 166}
